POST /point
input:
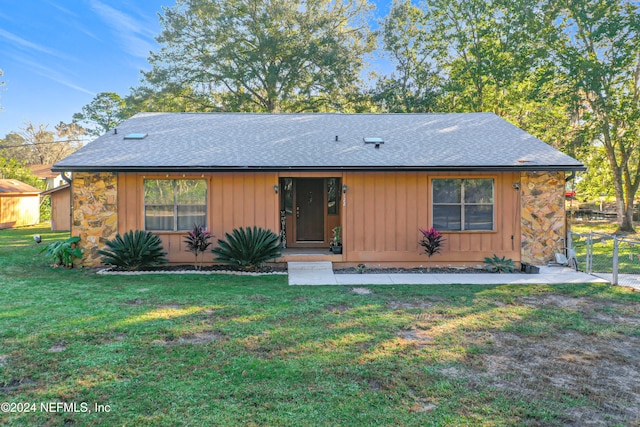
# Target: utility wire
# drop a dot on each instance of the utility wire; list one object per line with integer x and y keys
{"x": 39, "y": 143}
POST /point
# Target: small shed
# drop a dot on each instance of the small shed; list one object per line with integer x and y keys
{"x": 60, "y": 207}
{"x": 19, "y": 204}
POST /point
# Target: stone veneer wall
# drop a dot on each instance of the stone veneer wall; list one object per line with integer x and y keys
{"x": 543, "y": 216}
{"x": 95, "y": 212}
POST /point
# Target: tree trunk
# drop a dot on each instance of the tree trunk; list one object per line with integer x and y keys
{"x": 625, "y": 217}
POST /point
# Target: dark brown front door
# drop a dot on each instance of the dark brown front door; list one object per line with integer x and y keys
{"x": 310, "y": 210}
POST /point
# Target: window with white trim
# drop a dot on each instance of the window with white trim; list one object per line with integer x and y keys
{"x": 463, "y": 204}
{"x": 174, "y": 204}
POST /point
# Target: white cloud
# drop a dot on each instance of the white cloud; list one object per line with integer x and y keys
{"x": 24, "y": 44}
{"x": 133, "y": 34}
{"x": 51, "y": 74}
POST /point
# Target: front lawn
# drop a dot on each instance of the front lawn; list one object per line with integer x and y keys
{"x": 167, "y": 350}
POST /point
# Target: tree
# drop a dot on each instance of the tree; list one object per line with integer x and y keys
{"x": 413, "y": 85}
{"x": 104, "y": 112}
{"x": 484, "y": 48}
{"x": 35, "y": 144}
{"x": 264, "y": 55}
{"x": 169, "y": 98}
{"x": 596, "y": 45}
{"x": 15, "y": 169}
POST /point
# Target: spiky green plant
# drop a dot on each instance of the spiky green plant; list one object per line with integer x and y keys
{"x": 134, "y": 251}
{"x": 248, "y": 247}
{"x": 499, "y": 265}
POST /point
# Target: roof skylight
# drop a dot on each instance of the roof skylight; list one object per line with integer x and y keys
{"x": 136, "y": 136}
{"x": 372, "y": 140}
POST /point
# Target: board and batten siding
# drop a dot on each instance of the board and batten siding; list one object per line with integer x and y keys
{"x": 385, "y": 210}
{"x": 238, "y": 199}
{"x": 380, "y": 214}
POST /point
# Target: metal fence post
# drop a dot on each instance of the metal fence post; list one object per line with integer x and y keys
{"x": 589, "y": 254}
{"x": 614, "y": 277}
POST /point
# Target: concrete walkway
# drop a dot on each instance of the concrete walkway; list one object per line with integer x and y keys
{"x": 628, "y": 280}
{"x": 321, "y": 273}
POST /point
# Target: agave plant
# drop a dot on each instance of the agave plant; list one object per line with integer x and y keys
{"x": 134, "y": 251}
{"x": 499, "y": 265}
{"x": 198, "y": 241}
{"x": 248, "y": 247}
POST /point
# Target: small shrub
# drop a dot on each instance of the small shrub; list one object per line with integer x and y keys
{"x": 197, "y": 241}
{"x": 499, "y": 265}
{"x": 337, "y": 240}
{"x": 248, "y": 247}
{"x": 63, "y": 252}
{"x": 432, "y": 241}
{"x": 133, "y": 251}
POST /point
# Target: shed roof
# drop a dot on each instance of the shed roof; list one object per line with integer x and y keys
{"x": 43, "y": 171}
{"x": 11, "y": 187}
{"x": 320, "y": 141}
{"x": 56, "y": 189}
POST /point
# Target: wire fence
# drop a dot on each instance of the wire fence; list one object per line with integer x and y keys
{"x": 613, "y": 257}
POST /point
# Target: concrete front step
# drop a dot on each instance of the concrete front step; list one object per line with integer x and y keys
{"x": 311, "y": 273}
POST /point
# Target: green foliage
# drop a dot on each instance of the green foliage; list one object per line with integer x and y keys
{"x": 11, "y": 168}
{"x": 134, "y": 251}
{"x": 337, "y": 240}
{"x": 273, "y": 55}
{"x": 603, "y": 87}
{"x": 198, "y": 240}
{"x": 499, "y": 265}
{"x": 105, "y": 111}
{"x": 63, "y": 252}
{"x": 248, "y": 247}
{"x": 413, "y": 84}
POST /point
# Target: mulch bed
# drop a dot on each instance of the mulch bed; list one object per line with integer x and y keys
{"x": 189, "y": 268}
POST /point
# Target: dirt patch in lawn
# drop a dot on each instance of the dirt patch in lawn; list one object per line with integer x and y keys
{"x": 600, "y": 371}
{"x": 197, "y": 338}
{"x": 337, "y": 308}
{"x": 13, "y": 385}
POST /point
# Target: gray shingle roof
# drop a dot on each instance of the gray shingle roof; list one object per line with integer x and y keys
{"x": 214, "y": 141}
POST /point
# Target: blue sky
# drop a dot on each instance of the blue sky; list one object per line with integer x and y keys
{"x": 57, "y": 55}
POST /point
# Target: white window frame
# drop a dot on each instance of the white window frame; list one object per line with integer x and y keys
{"x": 462, "y": 204}
{"x": 175, "y": 203}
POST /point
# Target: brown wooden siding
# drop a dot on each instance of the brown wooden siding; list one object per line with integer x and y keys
{"x": 385, "y": 210}
{"x": 19, "y": 210}
{"x": 234, "y": 200}
{"x": 61, "y": 210}
{"x": 380, "y": 220}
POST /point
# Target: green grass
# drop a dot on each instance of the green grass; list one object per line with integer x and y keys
{"x": 628, "y": 251}
{"x": 166, "y": 350}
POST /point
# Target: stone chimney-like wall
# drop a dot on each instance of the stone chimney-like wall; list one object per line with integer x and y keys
{"x": 95, "y": 212}
{"x": 543, "y": 216}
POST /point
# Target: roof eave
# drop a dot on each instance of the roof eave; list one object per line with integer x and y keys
{"x": 150, "y": 169}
